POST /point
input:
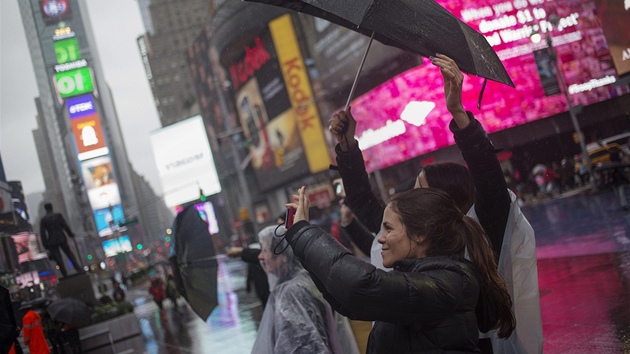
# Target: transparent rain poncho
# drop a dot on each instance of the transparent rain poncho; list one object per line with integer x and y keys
{"x": 297, "y": 319}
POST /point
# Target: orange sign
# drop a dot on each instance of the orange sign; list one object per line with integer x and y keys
{"x": 88, "y": 135}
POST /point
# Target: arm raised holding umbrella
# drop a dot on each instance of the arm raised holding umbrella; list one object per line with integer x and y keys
{"x": 497, "y": 210}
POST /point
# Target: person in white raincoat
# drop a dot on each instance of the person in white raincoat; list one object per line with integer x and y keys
{"x": 495, "y": 208}
{"x": 296, "y": 319}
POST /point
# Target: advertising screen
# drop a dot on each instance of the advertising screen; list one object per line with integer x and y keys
{"x": 88, "y": 136}
{"x": 80, "y": 106}
{"x": 184, "y": 161}
{"x": 67, "y": 50}
{"x": 99, "y": 180}
{"x": 615, "y": 19}
{"x": 74, "y": 82}
{"x": 406, "y": 116}
{"x": 27, "y": 247}
{"x": 118, "y": 245}
{"x": 106, "y": 217}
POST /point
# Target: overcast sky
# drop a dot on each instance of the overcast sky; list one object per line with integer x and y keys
{"x": 116, "y": 25}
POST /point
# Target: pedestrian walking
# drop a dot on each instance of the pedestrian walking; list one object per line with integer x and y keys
{"x": 434, "y": 299}
{"x": 117, "y": 293}
{"x": 171, "y": 289}
{"x": 33, "y": 332}
{"x": 157, "y": 291}
{"x": 53, "y": 231}
{"x": 480, "y": 191}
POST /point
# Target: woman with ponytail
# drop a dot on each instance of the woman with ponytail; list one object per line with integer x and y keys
{"x": 434, "y": 299}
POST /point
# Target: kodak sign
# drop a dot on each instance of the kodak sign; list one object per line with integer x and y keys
{"x": 300, "y": 93}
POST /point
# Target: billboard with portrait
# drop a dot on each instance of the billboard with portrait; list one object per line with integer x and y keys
{"x": 99, "y": 180}
{"x": 184, "y": 161}
{"x": 406, "y": 116}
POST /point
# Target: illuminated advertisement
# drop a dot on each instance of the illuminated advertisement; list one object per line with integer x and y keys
{"x": 184, "y": 161}
{"x": 80, "y": 106}
{"x": 615, "y": 19}
{"x": 74, "y": 82}
{"x": 406, "y": 116}
{"x": 88, "y": 136}
{"x": 206, "y": 212}
{"x": 67, "y": 50}
{"x": 100, "y": 183}
{"x": 298, "y": 85}
{"x": 27, "y": 247}
{"x": 117, "y": 245}
{"x": 55, "y": 10}
{"x": 277, "y": 132}
{"x": 106, "y": 218}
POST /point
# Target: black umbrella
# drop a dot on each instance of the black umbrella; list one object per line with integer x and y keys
{"x": 69, "y": 310}
{"x": 195, "y": 263}
{"x": 8, "y": 325}
{"x": 418, "y": 26}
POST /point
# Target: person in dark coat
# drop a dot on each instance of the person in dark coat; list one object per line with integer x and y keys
{"x": 53, "y": 230}
{"x": 117, "y": 293}
{"x": 434, "y": 299}
{"x": 480, "y": 191}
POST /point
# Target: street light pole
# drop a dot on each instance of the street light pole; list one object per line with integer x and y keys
{"x": 235, "y": 156}
{"x": 553, "y": 19}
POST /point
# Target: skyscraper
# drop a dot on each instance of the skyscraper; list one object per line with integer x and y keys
{"x": 87, "y": 172}
{"x": 172, "y": 27}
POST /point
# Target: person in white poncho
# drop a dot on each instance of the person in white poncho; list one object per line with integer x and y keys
{"x": 296, "y": 319}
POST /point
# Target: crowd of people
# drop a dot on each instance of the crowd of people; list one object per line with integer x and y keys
{"x": 451, "y": 260}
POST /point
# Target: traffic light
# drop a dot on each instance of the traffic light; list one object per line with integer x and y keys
{"x": 139, "y": 246}
{"x": 89, "y": 257}
{"x": 167, "y": 239}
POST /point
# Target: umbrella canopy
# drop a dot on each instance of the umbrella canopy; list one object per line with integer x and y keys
{"x": 195, "y": 264}
{"x": 418, "y": 26}
{"x": 69, "y": 310}
{"x": 8, "y": 324}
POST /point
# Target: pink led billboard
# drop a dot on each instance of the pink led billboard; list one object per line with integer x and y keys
{"x": 406, "y": 116}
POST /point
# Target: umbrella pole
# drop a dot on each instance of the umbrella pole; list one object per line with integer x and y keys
{"x": 356, "y": 78}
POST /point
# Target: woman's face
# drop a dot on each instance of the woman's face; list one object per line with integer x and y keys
{"x": 421, "y": 181}
{"x": 272, "y": 264}
{"x": 396, "y": 242}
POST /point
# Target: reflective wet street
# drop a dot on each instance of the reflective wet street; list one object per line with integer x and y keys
{"x": 584, "y": 274}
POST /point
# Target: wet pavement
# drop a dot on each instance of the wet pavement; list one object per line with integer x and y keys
{"x": 584, "y": 274}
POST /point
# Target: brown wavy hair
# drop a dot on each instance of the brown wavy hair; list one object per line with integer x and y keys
{"x": 431, "y": 212}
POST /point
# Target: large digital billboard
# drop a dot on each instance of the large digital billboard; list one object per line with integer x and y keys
{"x": 88, "y": 136}
{"x": 98, "y": 177}
{"x": 184, "y": 161}
{"x": 117, "y": 245}
{"x": 107, "y": 219}
{"x": 406, "y": 116}
{"x": 74, "y": 82}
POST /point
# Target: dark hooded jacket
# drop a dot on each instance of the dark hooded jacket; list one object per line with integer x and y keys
{"x": 425, "y": 305}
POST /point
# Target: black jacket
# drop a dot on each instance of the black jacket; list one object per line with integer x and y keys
{"x": 492, "y": 201}
{"x": 51, "y": 228}
{"x": 424, "y": 305}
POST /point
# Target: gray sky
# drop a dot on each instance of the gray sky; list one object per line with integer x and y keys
{"x": 116, "y": 25}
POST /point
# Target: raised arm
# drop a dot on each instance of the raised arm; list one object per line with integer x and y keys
{"x": 359, "y": 197}
{"x": 492, "y": 199}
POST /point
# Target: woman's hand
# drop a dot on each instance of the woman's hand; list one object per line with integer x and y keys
{"x": 336, "y": 125}
{"x": 301, "y": 205}
{"x": 453, "y": 81}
